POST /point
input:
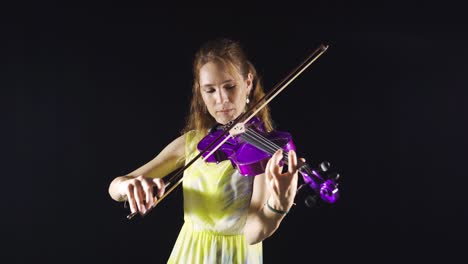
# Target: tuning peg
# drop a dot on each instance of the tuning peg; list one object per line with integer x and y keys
{"x": 301, "y": 188}
{"x": 324, "y": 166}
{"x": 334, "y": 176}
{"x": 311, "y": 201}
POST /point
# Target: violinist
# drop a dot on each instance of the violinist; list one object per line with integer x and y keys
{"x": 226, "y": 215}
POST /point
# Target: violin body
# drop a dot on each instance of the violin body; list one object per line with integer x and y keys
{"x": 250, "y": 151}
{"x": 248, "y": 159}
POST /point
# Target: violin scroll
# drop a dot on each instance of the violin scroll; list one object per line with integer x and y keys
{"x": 322, "y": 181}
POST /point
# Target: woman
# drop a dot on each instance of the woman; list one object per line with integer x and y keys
{"x": 227, "y": 215}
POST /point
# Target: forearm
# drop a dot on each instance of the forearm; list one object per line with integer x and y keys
{"x": 170, "y": 158}
{"x": 262, "y": 224}
{"x": 158, "y": 171}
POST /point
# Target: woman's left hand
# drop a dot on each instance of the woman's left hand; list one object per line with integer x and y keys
{"x": 282, "y": 186}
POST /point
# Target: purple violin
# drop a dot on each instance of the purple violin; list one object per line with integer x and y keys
{"x": 250, "y": 151}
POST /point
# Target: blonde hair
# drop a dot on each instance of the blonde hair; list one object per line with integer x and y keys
{"x": 230, "y": 54}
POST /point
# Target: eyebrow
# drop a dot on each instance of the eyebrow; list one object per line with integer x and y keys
{"x": 209, "y": 84}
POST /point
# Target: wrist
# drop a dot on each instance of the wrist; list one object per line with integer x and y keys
{"x": 277, "y": 207}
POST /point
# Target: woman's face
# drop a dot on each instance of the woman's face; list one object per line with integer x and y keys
{"x": 224, "y": 95}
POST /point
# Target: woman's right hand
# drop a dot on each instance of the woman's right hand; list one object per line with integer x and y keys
{"x": 139, "y": 192}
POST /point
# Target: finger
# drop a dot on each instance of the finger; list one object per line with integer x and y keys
{"x": 131, "y": 198}
{"x": 137, "y": 191}
{"x": 271, "y": 168}
{"x": 161, "y": 186}
{"x": 275, "y": 170}
{"x": 293, "y": 169}
{"x": 268, "y": 169}
{"x": 292, "y": 161}
{"x": 300, "y": 163}
{"x": 277, "y": 164}
{"x": 148, "y": 191}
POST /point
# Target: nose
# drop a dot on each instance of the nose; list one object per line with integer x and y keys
{"x": 222, "y": 96}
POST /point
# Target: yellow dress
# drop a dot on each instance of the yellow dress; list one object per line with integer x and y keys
{"x": 216, "y": 202}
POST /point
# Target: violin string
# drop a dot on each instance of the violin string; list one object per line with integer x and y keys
{"x": 270, "y": 147}
{"x": 260, "y": 142}
{"x": 273, "y": 147}
{"x": 265, "y": 143}
{"x": 268, "y": 143}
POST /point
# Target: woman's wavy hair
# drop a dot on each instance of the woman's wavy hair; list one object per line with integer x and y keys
{"x": 230, "y": 54}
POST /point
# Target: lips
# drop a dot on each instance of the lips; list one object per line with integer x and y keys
{"x": 225, "y": 111}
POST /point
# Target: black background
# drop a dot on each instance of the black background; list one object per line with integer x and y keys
{"x": 91, "y": 93}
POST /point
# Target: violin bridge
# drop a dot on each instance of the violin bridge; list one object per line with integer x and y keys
{"x": 237, "y": 129}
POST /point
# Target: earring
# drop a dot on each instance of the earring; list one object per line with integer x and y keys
{"x": 247, "y": 101}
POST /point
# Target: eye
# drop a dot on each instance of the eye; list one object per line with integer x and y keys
{"x": 230, "y": 87}
{"x": 209, "y": 90}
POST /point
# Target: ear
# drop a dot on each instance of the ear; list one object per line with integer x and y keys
{"x": 249, "y": 83}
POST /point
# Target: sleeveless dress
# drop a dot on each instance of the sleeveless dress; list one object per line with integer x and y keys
{"x": 216, "y": 203}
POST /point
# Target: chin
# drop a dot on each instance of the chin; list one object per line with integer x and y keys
{"x": 224, "y": 120}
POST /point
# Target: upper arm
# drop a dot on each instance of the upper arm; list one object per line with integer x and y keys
{"x": 169, "y": 159}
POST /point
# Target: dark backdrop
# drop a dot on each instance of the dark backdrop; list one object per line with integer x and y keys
{"x": 92, "y": 93}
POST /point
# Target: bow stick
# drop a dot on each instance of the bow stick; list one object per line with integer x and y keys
{"x": 237, "y": 126}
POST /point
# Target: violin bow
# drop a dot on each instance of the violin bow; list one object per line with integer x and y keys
{"x": 237, "y": 124}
